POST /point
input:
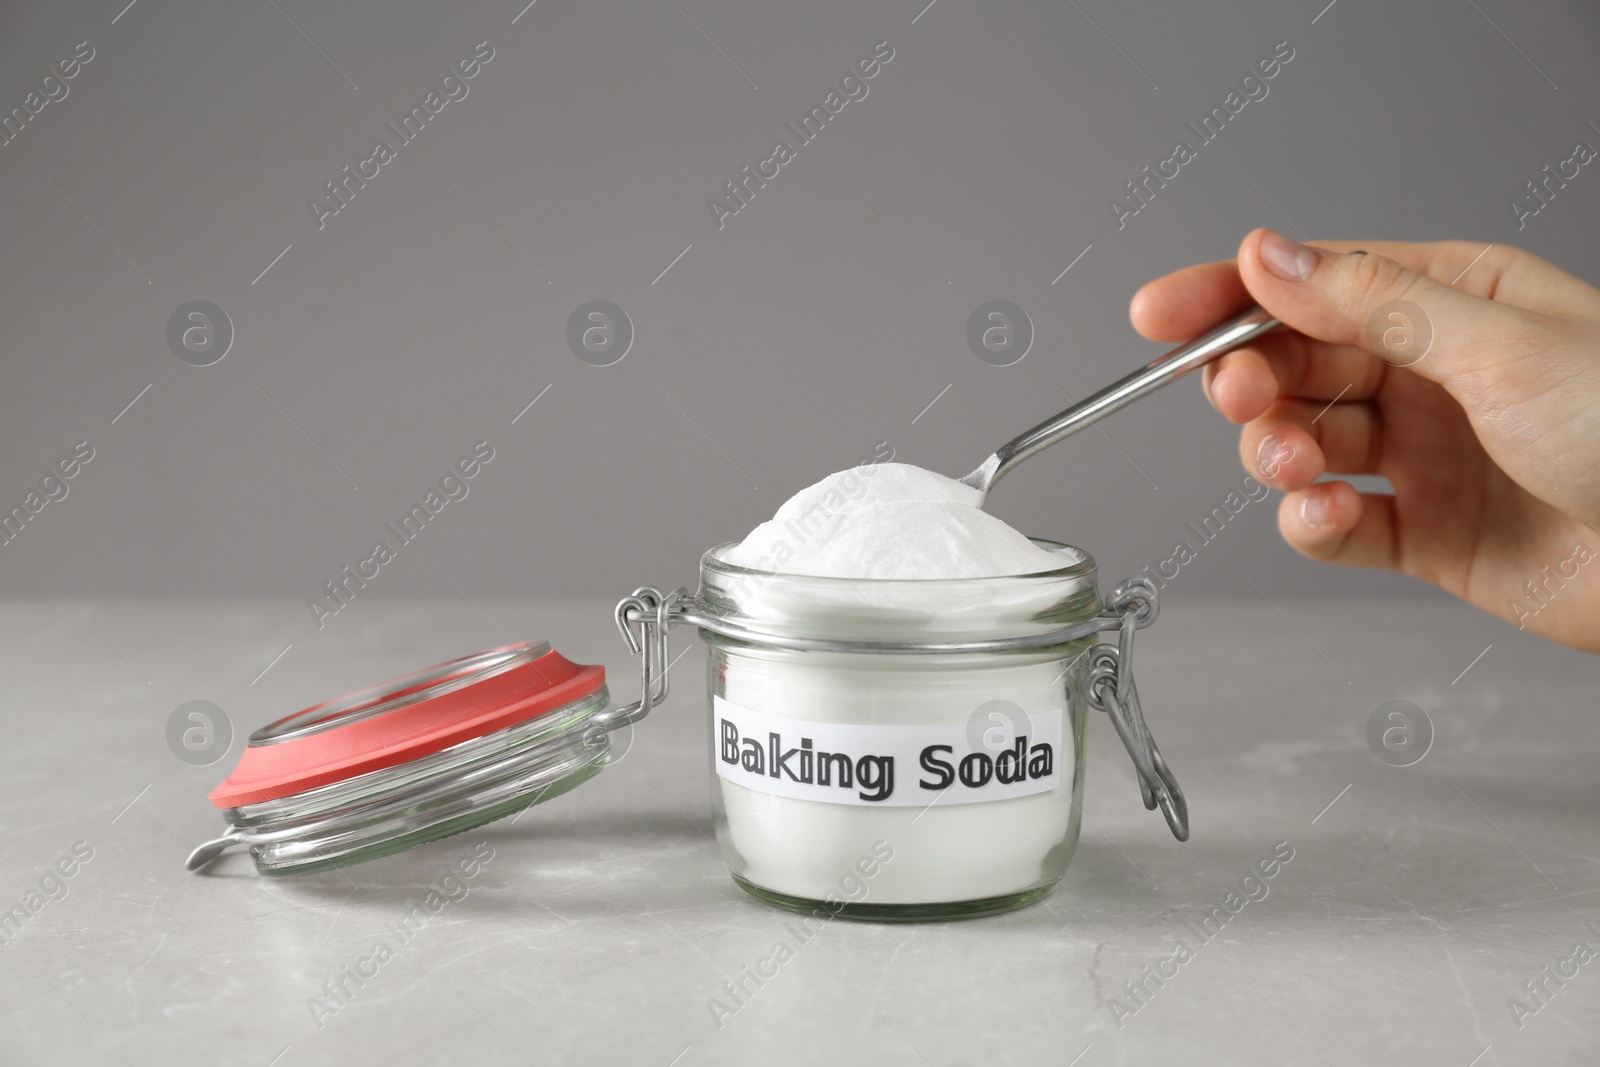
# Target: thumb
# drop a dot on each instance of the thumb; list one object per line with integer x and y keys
{"x": 1373, "y": 303}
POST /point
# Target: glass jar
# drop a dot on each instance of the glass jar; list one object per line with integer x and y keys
{"x": 886, "y": 785}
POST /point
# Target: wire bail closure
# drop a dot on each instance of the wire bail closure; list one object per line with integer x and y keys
{"x": 1109, "y": 687}
{"x": 645, "y": 616}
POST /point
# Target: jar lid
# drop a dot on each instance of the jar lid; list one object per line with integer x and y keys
{"x": 413, "y": 759}
{"x": 403, "y": 719}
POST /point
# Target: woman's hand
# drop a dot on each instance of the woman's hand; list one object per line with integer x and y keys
{"x": 1491, "y": 436}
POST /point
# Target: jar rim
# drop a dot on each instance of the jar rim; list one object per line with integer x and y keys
{"x": 1083, "y": 565}
{"x": 409, "y": 689}
{"x": 902, "y": 610}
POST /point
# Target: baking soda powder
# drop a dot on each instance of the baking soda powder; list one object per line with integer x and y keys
{"x": 967, "y": 764}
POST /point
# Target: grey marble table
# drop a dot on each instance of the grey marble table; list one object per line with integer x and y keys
{"x": 1418, "y": 903}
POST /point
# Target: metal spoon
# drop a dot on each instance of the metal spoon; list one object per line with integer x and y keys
{"x": 1232, "y": 334}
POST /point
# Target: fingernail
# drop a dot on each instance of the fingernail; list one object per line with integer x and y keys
{"x": 1314, "y": 509}
{"x": 1272, "y": 454}
{"x": 1290, "y": 261}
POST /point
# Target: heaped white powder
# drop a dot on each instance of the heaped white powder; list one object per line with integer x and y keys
{"x": 889, "y": 521}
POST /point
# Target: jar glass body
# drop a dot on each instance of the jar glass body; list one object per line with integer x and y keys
{"x": 926, "y": 851}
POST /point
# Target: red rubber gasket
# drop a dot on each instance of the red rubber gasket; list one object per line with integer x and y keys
{"x": 274, "y": 771}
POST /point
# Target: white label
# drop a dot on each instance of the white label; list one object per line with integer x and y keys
{"x": 892, "y": 766}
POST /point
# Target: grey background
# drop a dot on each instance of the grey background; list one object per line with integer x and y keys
{"x": 793, "y": 341}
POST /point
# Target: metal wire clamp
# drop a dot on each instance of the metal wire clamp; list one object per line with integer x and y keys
{"x": 1109, "y": 687}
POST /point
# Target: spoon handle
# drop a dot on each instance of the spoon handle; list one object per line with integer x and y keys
{"x": 1230, "y": 335}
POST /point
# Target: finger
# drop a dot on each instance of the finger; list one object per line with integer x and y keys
{"x": 1242, "y": 384}
{"x": 1375, "y": 303}
{"x": 1488, "y": 271}
{"x": 1333, "y": 523}
{"x": 1442, "y": 261}
{"x": 1281, "y": 452}
{"x": 1295, "y": 443}
{"x": 1188, "y": 302}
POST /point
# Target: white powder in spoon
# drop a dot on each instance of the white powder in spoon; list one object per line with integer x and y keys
{"x": 889, "y": 521}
